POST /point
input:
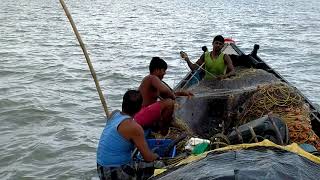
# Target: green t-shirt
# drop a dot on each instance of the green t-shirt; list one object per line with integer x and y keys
{"x": 215, "y": 67}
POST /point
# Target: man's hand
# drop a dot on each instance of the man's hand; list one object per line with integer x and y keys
{"x": 220, "y": 77}
{"x": 225, "y": 76}
{"x": 159, "y": 164}
{"x": 189, "y": 94}
{"x": 184, "y": 93}
{"x": 184, "y": 55}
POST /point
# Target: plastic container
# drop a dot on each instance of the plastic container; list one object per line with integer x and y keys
{"x": 201, "y": 148}
{"x": 159, "y": 146}
{"x": 192, "y": 142}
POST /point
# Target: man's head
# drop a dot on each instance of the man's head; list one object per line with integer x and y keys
{"x": 132, "y": 101}
{"x": 158, "y": 67}
{"x": 218, "y": 38}
{"x": 218, "y": 43}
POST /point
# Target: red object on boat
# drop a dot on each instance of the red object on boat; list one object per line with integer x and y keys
{"x": 229, "y": 40}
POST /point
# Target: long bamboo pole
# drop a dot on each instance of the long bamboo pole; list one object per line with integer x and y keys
{"x": 93, "y": 73}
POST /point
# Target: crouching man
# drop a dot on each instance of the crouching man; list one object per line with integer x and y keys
{"x": 119, "y": 138}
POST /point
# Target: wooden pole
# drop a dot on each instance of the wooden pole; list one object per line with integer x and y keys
{"x": 93, "y": 73}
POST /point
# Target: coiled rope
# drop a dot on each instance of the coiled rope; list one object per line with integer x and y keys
{"x": 284, "y": 101}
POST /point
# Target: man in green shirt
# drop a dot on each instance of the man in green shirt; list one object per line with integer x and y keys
{"x": 216, "y": 64}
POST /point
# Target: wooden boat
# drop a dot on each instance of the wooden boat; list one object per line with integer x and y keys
{"x": 215, "y": 109}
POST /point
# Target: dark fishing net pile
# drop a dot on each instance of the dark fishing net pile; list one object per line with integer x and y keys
{"x": 285, "y": 102}
{"x": 215, "y": 104}
{"x": 249, "y": 95}
{"x": 244, "y": 80}
{"x": 192, "y": 119}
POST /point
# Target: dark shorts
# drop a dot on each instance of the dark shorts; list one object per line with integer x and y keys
{"x": 124, "y": 172}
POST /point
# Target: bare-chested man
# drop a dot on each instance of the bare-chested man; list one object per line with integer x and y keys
{"x": 157, "y": 114}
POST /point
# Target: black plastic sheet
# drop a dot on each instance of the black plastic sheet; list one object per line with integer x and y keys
{"x": 257, "y": 163}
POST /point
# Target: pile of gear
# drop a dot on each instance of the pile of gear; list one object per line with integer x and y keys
{"x": 274, "y": 111}
{"x": 282, "y": 100}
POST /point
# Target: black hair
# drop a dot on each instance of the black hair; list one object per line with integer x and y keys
{"x": 157, "y": 63}
{"x": 218, "y": 38}
{"x": 132, "y": 101}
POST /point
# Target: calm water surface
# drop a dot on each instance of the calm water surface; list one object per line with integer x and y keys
{"x": 50, "y": 113}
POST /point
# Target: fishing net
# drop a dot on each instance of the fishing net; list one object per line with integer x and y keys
{"x": 284, "y": 101}
{"x": 218, "y": 106}
{"x": 176, "y": 129}
{"x": 216, "y": 102}
{"x": 244, "y": 80}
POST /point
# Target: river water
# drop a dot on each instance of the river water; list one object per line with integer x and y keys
{"x": 50, "y": 114}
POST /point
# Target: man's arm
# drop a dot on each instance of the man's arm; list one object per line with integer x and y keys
{"x": 230, "y": 67}
{"x": 193, "y": 66}
{"x": 140, "y": 142}
{"x": 179, "y": 93}
{"x": 164, "y": 90}
{"x": 130, "y": 130}
{"x": 184, "y": 93}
